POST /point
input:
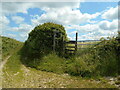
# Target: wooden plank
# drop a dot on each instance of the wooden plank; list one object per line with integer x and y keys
{"x": 86, "y": 44}
{"x": 70, "y": 46}
{"x": 71, "y": 42}
{"x": 69, "y": 50}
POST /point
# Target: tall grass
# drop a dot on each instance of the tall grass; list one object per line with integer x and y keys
{"x": 50, "y": 63}
{"x": 99, "y": 60}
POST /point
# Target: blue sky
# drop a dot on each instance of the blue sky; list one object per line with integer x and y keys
{"x": 92, "y": 20}
{"x": 92, "y": 7}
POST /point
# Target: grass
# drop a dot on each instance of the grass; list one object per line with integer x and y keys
{"x": 79, "y": 71}
{"x": 84, "y": 44}
{"x": 9, "y": 46}
{"x": 12, "y": 70}
{"x": 16, "y": 75}
{"x": 98, "y": 60}
{"x": 49, "y": 63}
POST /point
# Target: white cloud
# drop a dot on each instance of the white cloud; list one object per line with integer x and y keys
{"x": 4, "y": 21}
{"x": 111, "y": 14}
{"x": 64, "y": 16}
{"x": 11, "y": 35}
{"x": 94, "y": 31}
{"x": 42, "y": 0}
{"x": 106, "y": 25}
{"x": 85, "y": 28}
{"x": 14, "y": 7}
{"x": 96, "y": 35}
{"x": 23, "y": 28}
{"x": 18, "y": 19}
{"x": 22, "y": 31}
{"x": 58, "y": 12}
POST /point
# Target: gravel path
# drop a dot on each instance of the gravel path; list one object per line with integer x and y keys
{"x": 1, "y": 68}
{"x": 3, "y": 62}
{"x": 28, "y": 77}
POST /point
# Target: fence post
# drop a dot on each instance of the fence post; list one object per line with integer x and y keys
{"x": 54, "y": 41}
{"x": 63, "y": 45}
{"x": 76, "y": 42}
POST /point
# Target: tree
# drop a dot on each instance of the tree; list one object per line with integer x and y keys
{"x": 40, "y": 40}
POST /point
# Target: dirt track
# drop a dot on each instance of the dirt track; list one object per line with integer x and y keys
{"x": 4, "y": 61}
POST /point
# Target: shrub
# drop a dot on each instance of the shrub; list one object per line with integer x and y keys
{"x": 100, "y": 60}
{"x": 107, "y": 52}
{"x": 40, "y": 40}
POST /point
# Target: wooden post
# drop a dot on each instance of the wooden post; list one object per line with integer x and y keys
{"x": 76, "y": 42}
{"x": 63, "y": 44}
{"x": 54, "y": 41}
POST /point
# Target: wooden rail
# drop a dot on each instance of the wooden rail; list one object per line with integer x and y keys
{"x": 74, "y": 48}
{"x": 86, "y": 44}
{"x": 70, "y": 42}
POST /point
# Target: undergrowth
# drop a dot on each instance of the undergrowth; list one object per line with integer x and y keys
{"x": 98, "y": 60}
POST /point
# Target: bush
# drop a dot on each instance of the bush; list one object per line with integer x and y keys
{"x": 100, "y": 60}
{"x": 107, "y": 54}
{"x": 40, "y": 40}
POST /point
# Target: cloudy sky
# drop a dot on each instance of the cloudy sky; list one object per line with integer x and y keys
{"x": 92, "y": 20}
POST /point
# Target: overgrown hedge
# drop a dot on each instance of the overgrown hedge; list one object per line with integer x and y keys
{"x": 40, "y": 40}
{"x": 101, "y": 60}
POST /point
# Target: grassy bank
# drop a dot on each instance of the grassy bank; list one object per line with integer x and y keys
{"x": 84, "y": 70}
{"x": 98, "y": 60}
{"x": 16, "y": 75}
{"x": 9, "y": 46}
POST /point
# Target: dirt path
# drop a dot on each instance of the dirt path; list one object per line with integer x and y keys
{"x": 1, "y": 68}
{"x": 4, "y": 61}
{"x": 32, "y": 78}
{"x": 26, "y": 77}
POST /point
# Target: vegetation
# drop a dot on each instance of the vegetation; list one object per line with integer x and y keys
{"x": 40, "y": 40}
{"x": 100, "y": 60}
{"x": 9, "y": 46}
{"x": 16, "y": 75}
{"x": 37, "y": 54}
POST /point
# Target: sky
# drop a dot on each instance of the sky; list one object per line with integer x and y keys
{"x": 92, "y": 20}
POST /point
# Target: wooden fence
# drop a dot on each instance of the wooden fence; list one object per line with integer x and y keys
{"x": 73, "y": 46}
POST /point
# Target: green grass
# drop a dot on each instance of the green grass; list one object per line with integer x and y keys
{"x": 14, "y": 63}
{"x": 80, "y": 70}
{"x": 101, "y": 59}
{"x": 87, "y": 46}
{"x": 9, "y": 46}
{"x": 83, "y": 44}
{"x": 49, "y": 63}
{"x": 12, "y": 73}
{"x": 16, "y": 75}
{"x": 98, "y": 60}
